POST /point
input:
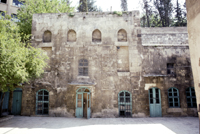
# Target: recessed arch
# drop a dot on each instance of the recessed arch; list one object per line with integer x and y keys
{"x": 71, "y": 36}
{"x": 96, "y": 36}
{"x": 47, "y": 36}
{"x": 173, "y": 97}
{"x": 42, "y": 102}
{"x": 122, "y": 35}
{"x": 125, "y": 103}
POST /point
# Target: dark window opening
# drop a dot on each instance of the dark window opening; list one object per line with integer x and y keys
{"x": 17, "y": 3}
{"x": 191, "y": 97}
{"x": 125, "y": 104}
{"x": 173, "y": 97}
{"x": 170, "y": 69}
{"x": 83, "y": 67}
{"x": 42, "y": 102}
{"x": 2, "y": 13}
{"x": 3, "y": 1}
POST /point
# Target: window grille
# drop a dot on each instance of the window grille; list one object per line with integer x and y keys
{"x": 191, "y": 97}
{"x": 83, "y": 67}
{"x": 173, "y": 97}
{"x": 125, "y": 104}
{"x": 42, "y": 102}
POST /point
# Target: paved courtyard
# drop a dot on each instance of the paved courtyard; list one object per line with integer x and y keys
{"x": 45, "y": 125}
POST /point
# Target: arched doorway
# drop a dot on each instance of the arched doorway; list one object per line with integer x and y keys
{"x": 125, "y": 104}
{"x": 83, "y": 103}
{"x": 155, "y": 102}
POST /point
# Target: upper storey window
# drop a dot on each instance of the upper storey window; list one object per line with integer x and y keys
{"x": 96, "y": 36}
{"x": 47, "y": 36}
{"x": 3, "y": 1}
{"x": 71, "y": 36}
{"x": 122, "y": 35}
{"x": 170, "y": 69}
{"x": 83, "y": 67}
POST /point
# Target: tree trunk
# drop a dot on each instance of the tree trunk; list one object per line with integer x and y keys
{"x": 1, "y": 105}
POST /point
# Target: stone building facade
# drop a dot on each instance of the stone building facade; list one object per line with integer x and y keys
{"x": 106, "y": 65}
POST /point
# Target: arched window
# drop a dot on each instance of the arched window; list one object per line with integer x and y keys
{"x": 122, "y": 35}
{"x": 42, "y": 102}
{"x": 47, "y": 36}
{"x": 173, "y": 97}
{"x": 191, "y": 97}
{"x": 71, "y": 36}
{"x": 125, "y": 104}
{"x": 96, "y": 36}
{"x": 83, "y": 67}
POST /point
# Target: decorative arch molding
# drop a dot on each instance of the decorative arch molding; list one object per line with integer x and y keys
{"x": 122, "y": 35}
{"x": 83, "y": 89}
{"x": 71, "y": 36}
{"x": 96, "y": 36}
{"x": 47, "y": 36}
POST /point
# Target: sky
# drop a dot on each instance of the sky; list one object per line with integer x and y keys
{"x": 115, "y": 4}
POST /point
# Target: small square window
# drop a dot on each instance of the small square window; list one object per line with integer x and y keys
{"x": 170, "y": 69}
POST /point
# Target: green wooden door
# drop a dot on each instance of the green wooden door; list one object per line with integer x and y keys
{"x": 17, "y": 100}
{"x": 155, "y": 102}
{"x": 79, "y": 105}
{"x": 88, "y": 105}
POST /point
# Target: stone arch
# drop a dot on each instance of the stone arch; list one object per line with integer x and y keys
{"x": 47, "y": 36}
{"x": 122, "y": 35}
{"x": 96, "y": 36}
{"x": 71, "y": 36}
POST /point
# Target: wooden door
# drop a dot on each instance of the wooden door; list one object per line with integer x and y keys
{"x": 88, "y": 105}
{"x": 155, "y": 102}
{"x": 17, "y": 100}
{"x": 79, "y": 105}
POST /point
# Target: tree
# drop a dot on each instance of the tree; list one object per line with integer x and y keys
{"x": 164, "y": 10}
{"x": 19, "y": 62}
{"x": 124, "y": 6}
{"x": 148, "y": 13}
{"x": 91, "y": 7}
{"x": 83, "y": 7}
{"x": 31, "y": 7}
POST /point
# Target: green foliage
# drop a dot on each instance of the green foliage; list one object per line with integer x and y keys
{"x": 19, "y": 62}
{"x": 119, "y": 13}
{"x": 31, "y": 7}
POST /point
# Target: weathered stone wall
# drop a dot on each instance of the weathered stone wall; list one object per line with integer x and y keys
{"x": 117, "y": 61}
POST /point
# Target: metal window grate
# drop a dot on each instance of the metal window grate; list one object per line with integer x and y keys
{"x": 125, "y": 104}
{"x": 191, "y": 97}
{"x": 83, "y": 67}
{"x": 173, "y": 97}
{"x": 42, "y": 102}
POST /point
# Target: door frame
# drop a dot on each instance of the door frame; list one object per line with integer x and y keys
{"x": 81, "y": 91}
{"x": 18, "y": 90}
{"x": 154, "y": 102}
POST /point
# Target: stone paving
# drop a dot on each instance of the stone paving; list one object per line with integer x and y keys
{"x": 57, "y": 125}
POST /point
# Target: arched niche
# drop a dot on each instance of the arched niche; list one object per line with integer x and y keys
{"x": 47, "y": 36}
{"x": 71, "y": 36}
{"x": 96, "y": 36}
{"x": 122, "y": 35}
